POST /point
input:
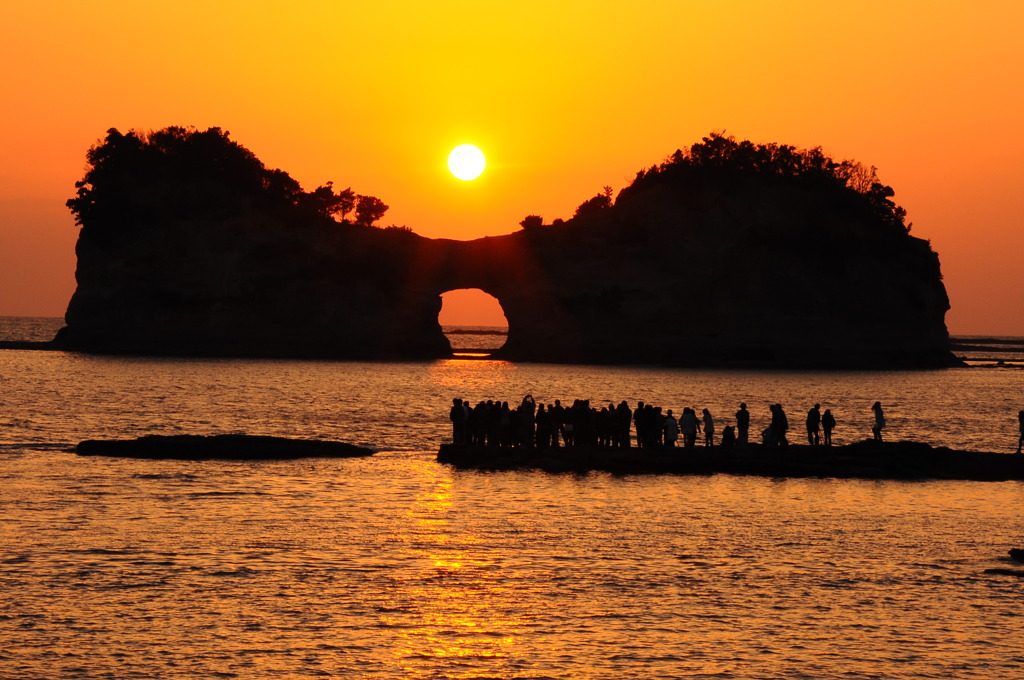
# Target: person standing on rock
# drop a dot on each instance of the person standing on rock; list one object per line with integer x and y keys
{"x": 813, "y": 424}
{"x": 689, "y": 426}
{"x": 728, "y": 437}
{"x": 779, "y": 426}
{"x": 638, "y": 416}
{"x": 709, "y": 428}
{"x": 828, "y": 423}
{"x": 879, "y": 425}
{"x": 1020, "y": 420}
{"x": 742, "y": 425}
{"x": 527, "y": 423}
{"x": 623, "y": 423}
{"x": 458, "y": 416}
{"x": 671, "y": 428}
{"x": 557, "y": 423}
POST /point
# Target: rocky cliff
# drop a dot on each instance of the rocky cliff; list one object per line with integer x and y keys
{"x": 763, "y": 256}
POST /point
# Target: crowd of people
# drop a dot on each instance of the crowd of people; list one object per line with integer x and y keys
{"x": 495, "y": 423}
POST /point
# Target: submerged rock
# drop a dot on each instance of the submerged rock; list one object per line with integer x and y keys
{"x": 1019, "y": 573}
{"x": 221, "y": 447}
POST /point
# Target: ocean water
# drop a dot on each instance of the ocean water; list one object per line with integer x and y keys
{"x": 396, "y": 566}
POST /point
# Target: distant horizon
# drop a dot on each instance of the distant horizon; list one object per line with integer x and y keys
{"x": 470, "y": 324}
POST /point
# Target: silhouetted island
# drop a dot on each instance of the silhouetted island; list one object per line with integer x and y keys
{"x": 728, "y": 253}
{"x": 866, "y": 460}
{"x": 219, "y": 447}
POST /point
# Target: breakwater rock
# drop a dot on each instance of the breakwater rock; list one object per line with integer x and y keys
{"x": 865, "y": 460}
{"x": 219, "y": 447}
{"x": 726, "y": 254}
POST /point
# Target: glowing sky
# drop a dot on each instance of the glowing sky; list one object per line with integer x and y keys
{"x": 563, "y": 98}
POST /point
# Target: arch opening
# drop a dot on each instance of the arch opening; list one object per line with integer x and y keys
{"x": 473, "y": 321}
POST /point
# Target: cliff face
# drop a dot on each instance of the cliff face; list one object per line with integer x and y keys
{"x": 341, "y": 293}
{"x": 686, "y": 268}
{"x": 728, "y": 272}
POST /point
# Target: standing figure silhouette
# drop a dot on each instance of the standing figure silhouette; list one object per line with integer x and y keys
{"x": 813, "y": 423}
{"x": 879, "y": 425}
{"x": 1020, "y": 420}
{"x": 742, "y": 425}
{"x": 828, "y": 423}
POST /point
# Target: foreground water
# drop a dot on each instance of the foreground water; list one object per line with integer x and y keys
{"x": 395, "y": 566}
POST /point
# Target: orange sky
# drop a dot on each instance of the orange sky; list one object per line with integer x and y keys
{"x": 563, "y": 97}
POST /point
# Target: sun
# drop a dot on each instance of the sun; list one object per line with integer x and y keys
{"x": 466, "y": 162}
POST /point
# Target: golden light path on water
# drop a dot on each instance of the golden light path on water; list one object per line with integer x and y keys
{"x": 460, "y": 621}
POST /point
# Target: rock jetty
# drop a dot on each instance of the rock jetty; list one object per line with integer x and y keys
{"x": 865, "y": 460}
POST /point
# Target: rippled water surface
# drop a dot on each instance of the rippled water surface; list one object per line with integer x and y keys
{"x": 395, "y": 566}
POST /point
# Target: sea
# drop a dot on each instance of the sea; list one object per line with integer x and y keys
{"x": 396, "y": 566}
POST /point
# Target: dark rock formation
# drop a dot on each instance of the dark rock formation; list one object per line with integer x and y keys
{"x": 728, "y": 254}
{"x": 864, "y": 460}
{"x": 1019, "y": 573}
{"x": 28, "y": 344}
{"x": 219, "y": 447}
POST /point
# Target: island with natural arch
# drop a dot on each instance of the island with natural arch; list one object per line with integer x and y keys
{"x": 727, "y": 253}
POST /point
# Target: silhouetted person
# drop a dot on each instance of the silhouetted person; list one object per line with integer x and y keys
{"x": 604, "y": 423}
{"x": 638, "y": 422}
{"x": 543, "y": 422}
{"x": 879, "y": 425}
{"x": 671, "y": 428}
{"x": 709, "y": 427}
{"x": 742, "y": 425}
{"x": 479, "y": 420}
{"x": 527, "y": 413}
{"x": 623, "y": 421}
{"x": 1020, "y": 420}
{"x": 569, "y": 424}
{"x": 657, "y": 420}
{"x": 783, "y": 424}
{"x": 828, "y": 423}
{"x": 505, "y": 425}
{"x": 813, "y": 424}
{"x": 557, "y": 422}
{"x": 728, "y": 437}
{"x": 689, "y": 426}
{"x": 648, "y": 428}
{"x": 778, "y": 427}
{"x": 458, "y": 415}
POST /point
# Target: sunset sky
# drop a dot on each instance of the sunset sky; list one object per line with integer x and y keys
{"x": 562, "y": 97}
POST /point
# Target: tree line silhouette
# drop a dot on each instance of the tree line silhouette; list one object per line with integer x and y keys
{"x": 721, "y": 157}
{"x": 142, "y": 180}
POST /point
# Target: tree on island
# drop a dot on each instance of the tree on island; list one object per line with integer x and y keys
{"x": 595, "y": 204}
{"x": 369, "y": 209}
{"x": 324, "y": 202}
{"x": 152, "y": 180}
{"x": 532, "y": 222}
{"x": 722, "y": 157}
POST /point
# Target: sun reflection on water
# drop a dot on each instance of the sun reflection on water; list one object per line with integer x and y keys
{"x": 454, "y": 605}
{"x": 472, "y": 375}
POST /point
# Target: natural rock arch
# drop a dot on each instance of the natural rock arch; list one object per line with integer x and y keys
{"x": 473, "y": 321}
{"x": 732, "y": 254}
